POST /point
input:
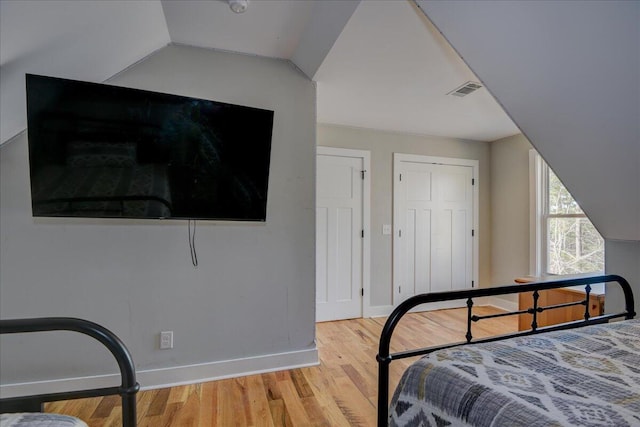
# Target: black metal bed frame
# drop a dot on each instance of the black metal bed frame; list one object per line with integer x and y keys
{"x": 384, "y": 358}
{"x": 127, "y": 390}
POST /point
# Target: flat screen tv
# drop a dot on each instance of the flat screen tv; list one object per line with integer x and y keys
{"x": 97, "y": 150}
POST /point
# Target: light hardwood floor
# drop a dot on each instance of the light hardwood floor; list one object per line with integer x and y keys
{"x": 341, "y": 391}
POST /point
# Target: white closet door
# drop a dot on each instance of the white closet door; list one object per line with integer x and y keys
{"x": 434, "y": 234}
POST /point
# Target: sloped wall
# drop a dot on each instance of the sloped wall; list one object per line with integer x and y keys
{"x": 71, "y": 39}
{"x": 567, "y": 74}
{"x": 253, "y": 293}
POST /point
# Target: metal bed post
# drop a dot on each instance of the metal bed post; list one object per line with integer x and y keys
{"x": 534, "y": 317}
{"x": 587, "y": 290}
{"x": 128, "y": 388}
{"x": 468, "y": 335}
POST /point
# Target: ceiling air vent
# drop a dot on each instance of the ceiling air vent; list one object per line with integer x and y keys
{"x": 465, "y": 89}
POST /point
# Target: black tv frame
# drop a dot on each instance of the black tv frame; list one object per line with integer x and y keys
{"x": 207, "y": 160}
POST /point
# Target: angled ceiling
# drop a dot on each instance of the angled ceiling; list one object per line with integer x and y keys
{"x": 391, "y": 69}
{"x": 267, "y": 28}
{"x": 568, "y": 74}
{"x": 378, "y": 64}
{"x": 73, "y": 39}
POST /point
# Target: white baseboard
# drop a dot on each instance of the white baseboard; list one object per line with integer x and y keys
{"x": 169, "y": 377}
{"x": 378, "y": 311}
{"x": 174, "y": 376}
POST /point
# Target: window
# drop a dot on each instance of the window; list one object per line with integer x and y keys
{"x": 563, "y": 239}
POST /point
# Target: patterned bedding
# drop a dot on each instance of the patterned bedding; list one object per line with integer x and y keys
{"x": 136, "y": 191}
{"x": 587, "y": 377}
{"x": 39, "y": 420}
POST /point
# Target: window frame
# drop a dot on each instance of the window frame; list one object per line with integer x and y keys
{"x": 540, "y": 216}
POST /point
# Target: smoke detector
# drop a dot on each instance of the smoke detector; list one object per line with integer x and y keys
{"x": 465, "y": 89}
{"x": 239, "y": 6}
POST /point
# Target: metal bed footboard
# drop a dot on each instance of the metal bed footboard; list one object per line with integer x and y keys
{"x": 384, "y": 358}
{"x": 127, "y": 390}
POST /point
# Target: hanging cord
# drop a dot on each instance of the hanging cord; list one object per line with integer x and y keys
{"x": 192, "y": 243}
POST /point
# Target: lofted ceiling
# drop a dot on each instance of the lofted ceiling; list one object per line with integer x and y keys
{"x": 379, "y": 64}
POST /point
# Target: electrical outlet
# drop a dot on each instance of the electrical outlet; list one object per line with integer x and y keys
{"x": 166, "y": 340}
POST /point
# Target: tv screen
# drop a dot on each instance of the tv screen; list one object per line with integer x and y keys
{"x": 97, "y": 150}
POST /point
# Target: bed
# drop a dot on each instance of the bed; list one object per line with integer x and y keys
{"x": 582, "y": 373}
{"x": 24, "y": 411}
{"x": 37, "y": 419}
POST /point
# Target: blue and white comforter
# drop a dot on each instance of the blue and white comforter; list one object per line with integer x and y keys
{"x": 587, "y": 377}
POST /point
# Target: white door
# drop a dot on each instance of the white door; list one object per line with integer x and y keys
{"x": 434, "y": 225}
{"x": 339, "y": 234}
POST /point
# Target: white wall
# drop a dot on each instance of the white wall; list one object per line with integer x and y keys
{"x": 382, "y": 146}
{"x": 253, "y": 293}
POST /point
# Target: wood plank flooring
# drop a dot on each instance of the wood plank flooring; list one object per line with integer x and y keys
{"x": 341, "y": 391}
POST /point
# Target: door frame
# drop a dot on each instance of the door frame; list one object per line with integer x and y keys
{"x": 398, "y": 158}
{"x": 365, "y": 155}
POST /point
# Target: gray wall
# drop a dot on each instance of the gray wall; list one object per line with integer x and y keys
{"x": 622, "y": 258}
{"x": 510, "y": 224}
{"x": 382, "y": 145}
{"x": 590, "y": 138}
{"x": 509, "y": 209}
{"x": 537, "y": 58}
{"x": 253, "y": 292}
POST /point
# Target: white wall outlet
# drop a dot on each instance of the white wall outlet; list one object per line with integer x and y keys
{"x": 166, "y": 340}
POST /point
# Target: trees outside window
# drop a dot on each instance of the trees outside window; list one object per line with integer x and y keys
{"x": 567, "y": 242}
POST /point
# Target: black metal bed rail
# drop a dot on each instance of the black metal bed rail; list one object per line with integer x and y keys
{"x": 384, "y": 358}
{"x": 127, "y": 390}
